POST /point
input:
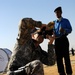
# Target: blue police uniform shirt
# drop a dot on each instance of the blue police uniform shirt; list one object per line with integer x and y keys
{"x": 63, "y": 23}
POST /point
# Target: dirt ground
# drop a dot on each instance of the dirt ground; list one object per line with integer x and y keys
{"x": 52, "y": 70}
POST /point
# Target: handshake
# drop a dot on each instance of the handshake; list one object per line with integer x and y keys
{"x": 48, "y": 31}
{"x": 45, "y": 32}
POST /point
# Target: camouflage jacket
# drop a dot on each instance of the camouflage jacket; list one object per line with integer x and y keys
{"x": 24, "y": 50}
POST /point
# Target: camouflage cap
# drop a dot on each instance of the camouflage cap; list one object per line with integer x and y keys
{"x": 50, "y": 25}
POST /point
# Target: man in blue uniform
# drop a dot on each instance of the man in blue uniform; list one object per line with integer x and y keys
{"x": 62, "y": 28}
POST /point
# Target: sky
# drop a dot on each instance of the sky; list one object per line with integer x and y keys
{"x": 12, "y": 11}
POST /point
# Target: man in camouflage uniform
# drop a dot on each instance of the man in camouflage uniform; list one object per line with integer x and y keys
{"x": 27, "y": 52}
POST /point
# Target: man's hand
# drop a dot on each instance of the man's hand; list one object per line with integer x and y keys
{"x": 62, "y": 30}
{"x": 50, "y": 38}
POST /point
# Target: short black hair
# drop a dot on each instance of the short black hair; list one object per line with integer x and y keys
{"x": 58, "y": 8}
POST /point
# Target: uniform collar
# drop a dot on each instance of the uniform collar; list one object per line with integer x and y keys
{"x": 59, "y": 19}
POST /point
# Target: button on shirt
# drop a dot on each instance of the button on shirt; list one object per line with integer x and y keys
{"x": 63, "y": 23}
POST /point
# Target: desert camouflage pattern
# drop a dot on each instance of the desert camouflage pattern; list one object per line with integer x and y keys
{"x": 34, "y": 68}
{"x": 50, "y": 25}
{"x": 25, "y": 50}
{"x": 51, "y": 55}
{"x": 25, "y": 27}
